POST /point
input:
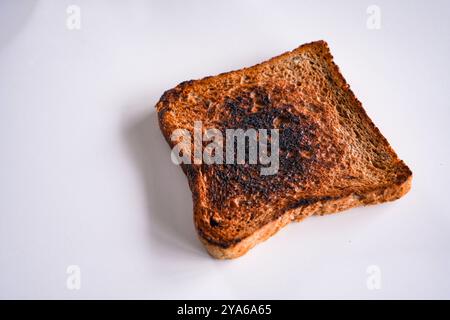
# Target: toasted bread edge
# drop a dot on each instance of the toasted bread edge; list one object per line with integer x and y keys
{"x": 376, "y": 196}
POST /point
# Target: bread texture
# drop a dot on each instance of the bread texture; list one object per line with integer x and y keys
{"x": 332, "y": 157}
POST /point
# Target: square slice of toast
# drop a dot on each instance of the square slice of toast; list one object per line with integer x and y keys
{"x": 331, "y": 155}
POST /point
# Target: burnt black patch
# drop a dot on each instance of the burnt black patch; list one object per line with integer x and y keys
{"x": 297, "y": 133}
{"x": 213, "y": 222}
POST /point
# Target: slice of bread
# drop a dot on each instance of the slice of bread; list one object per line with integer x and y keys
{"x": 332, "y": 157}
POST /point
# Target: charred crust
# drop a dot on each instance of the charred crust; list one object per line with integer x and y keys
{"x": 308, "y": 201}
{"x": 220, "y": 243}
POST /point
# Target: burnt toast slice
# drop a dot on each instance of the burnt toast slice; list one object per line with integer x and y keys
{"x": 331, "y": 155}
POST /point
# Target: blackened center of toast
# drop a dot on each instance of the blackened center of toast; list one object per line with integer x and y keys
{"x": 254, "y": 109}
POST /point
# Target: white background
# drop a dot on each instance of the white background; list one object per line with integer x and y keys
{"x": 86, "y": 178}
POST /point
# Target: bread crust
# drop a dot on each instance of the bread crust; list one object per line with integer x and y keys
{"x": 390, "y": 193}
{"x": 226, "y": 245}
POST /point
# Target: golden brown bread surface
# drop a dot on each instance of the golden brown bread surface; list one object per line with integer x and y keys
{"x": 332, "y": 157}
